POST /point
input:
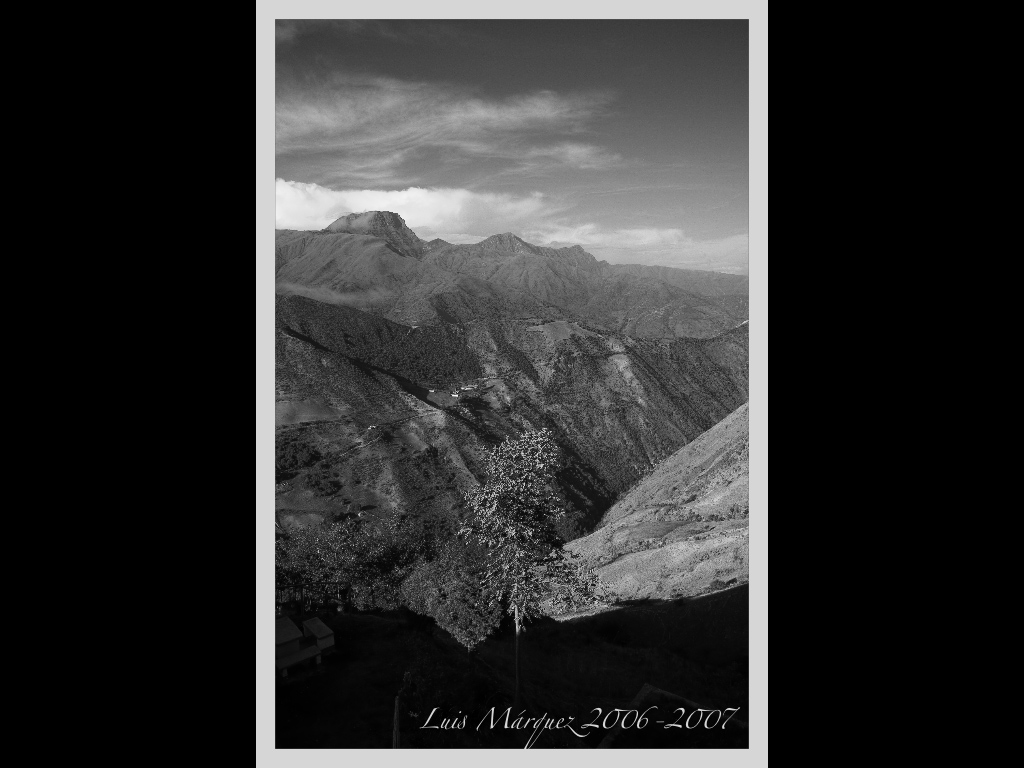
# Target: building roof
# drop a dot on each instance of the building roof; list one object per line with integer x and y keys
{"x": 285, "y": 631}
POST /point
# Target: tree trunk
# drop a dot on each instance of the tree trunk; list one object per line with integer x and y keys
{"x": 515, "y": 704}
{"x": 395, "y": 732}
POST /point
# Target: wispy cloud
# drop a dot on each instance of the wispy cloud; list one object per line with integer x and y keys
{"x": 596, "y": 235}
{"x": 572, "y": 155}
{"x": 363, "y": 127}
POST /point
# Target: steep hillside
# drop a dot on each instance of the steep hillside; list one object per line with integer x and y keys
{"x": 437, "y": 397}
{"x": 374, "y": 261}
{"x": 683, "y": 529}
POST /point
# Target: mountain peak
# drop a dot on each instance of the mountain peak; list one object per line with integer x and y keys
{"x": 366, "y": 221}
{"x": 386, "y": 225}
{"x": 509, "y": 242}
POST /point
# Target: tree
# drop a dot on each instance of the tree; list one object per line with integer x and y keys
{"x": 372, "y": 559}
{"x": 316, "y": 553}
{"x": 449, "y": 590}
{"x": 514, "y": 515}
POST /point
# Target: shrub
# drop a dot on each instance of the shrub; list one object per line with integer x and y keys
{"x": 294, "y": 454}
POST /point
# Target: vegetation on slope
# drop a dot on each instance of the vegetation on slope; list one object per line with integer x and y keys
{"x": 683, "y": 529}
{"x": 356, "y": 388}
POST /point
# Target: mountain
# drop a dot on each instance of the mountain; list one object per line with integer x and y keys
{"x": 385, "y": 225}
{"x": 400, "y": 363}
{"x": 619, "y": 405}
{"x": 683, "y": 530}
{"x": 373, "y": 261}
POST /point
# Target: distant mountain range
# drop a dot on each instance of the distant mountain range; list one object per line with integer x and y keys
{"x": 374, "y": 262}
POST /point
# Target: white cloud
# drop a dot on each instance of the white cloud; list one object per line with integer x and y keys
{"x": 447, "y": 213}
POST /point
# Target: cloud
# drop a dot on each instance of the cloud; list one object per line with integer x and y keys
{"x": 572, "y": 155}
{"x": 363, "y": 127}
{"x": 445, "y": 213}
{"x": 599, "y": 236}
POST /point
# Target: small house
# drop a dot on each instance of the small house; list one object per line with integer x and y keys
{"x": 320, "y": 632}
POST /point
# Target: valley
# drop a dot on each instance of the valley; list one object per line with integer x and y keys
{"x": 380, "y": 420}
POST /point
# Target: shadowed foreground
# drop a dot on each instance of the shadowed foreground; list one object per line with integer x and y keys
{"x": 688, "y": 652}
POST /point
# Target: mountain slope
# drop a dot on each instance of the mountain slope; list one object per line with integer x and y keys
{"x": 683, "y": 529}
{"x": 618, "y": 405}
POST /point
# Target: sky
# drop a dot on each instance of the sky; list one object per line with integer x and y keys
{"x": 628, "y": 137}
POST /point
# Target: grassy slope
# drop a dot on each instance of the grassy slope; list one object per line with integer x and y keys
{"x": 678, "y": 532}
